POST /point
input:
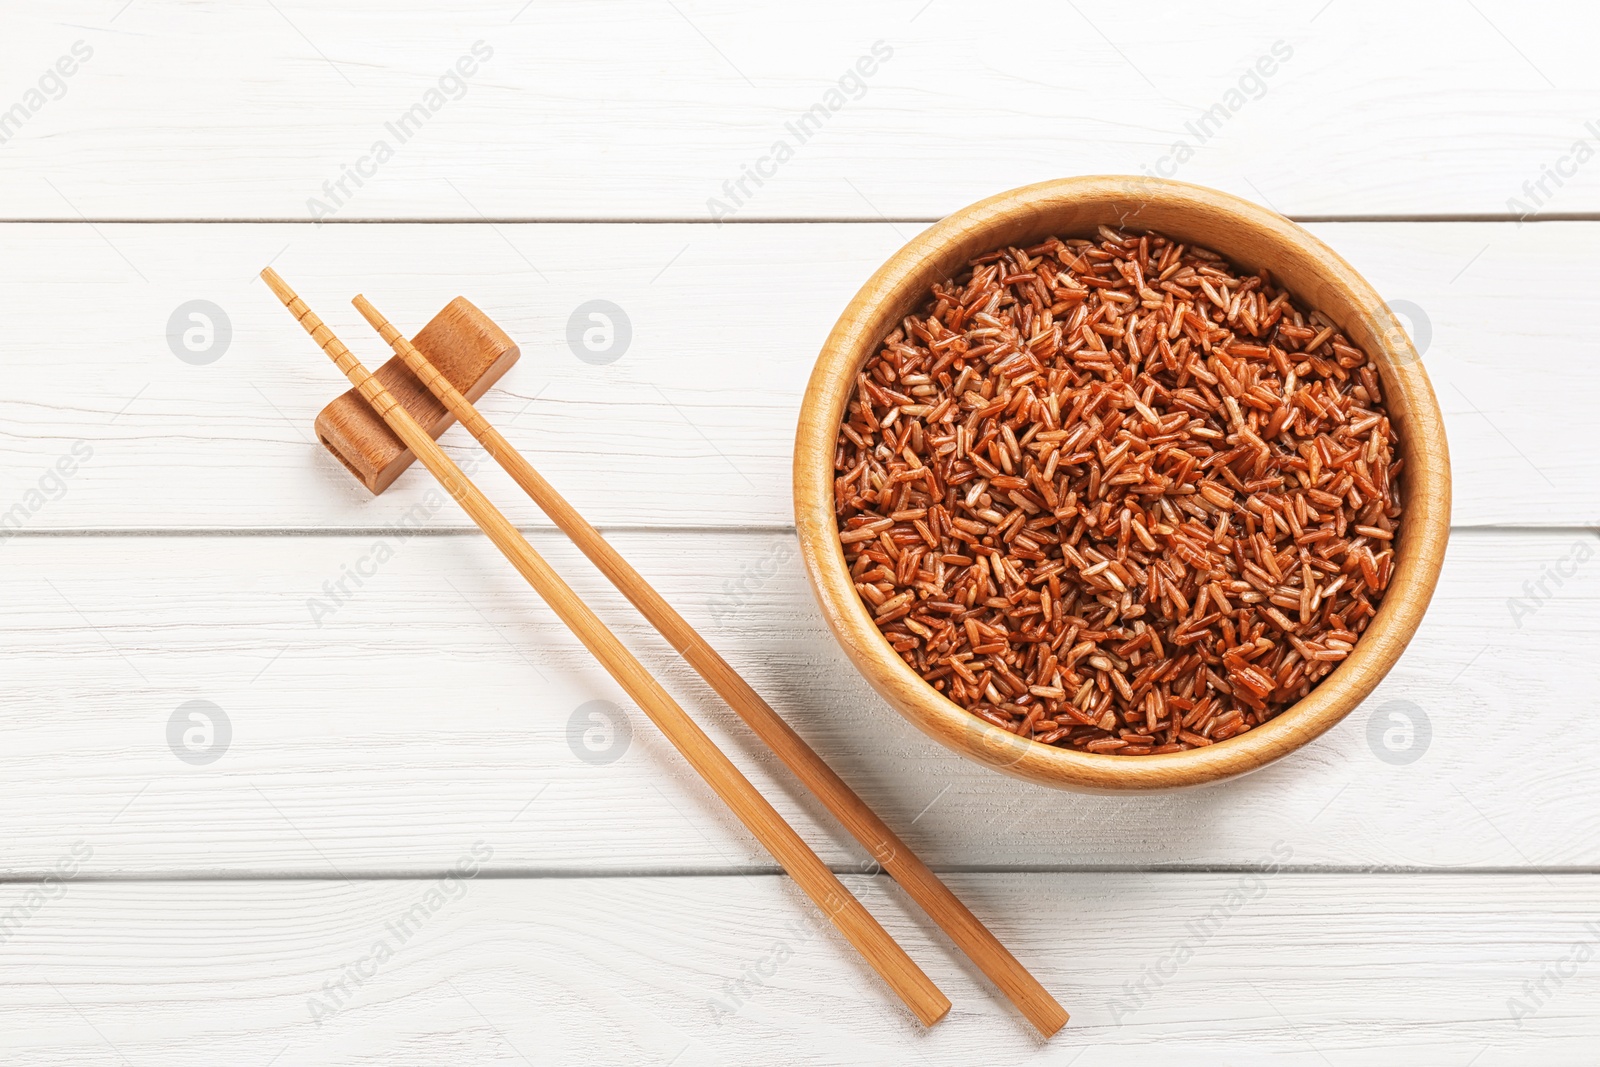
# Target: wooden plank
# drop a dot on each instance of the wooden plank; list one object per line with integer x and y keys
{"x": 375, "y": 728}
{"x": 693, "y": 424}
{"x": 650, "y": 110}
{"x": 1408, "y": 969}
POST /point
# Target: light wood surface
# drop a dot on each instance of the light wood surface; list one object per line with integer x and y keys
{"x": 881, "y": 952}
{"x": 182, "y": 560}
{"x": 842, "y": 802}
{"x": 1253, "y": 238}
{"x": 644, "y": 110}
{"x": 718, "y": 971}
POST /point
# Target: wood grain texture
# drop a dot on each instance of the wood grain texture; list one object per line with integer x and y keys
{"x": 843, "y": 803}
{"x": 468, "y": 348}
{"x": 473, "y": 718}
{"x": 694, "y": 424}
{"x": 646, "y": 110}
{"x": 1306, "y": 970}
{"x": 1259, "y": 240}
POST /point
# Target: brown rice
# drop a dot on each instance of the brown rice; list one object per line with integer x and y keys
{"x": 1116, "y": 495}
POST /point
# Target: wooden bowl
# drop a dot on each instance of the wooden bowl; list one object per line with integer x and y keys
{"x": 1252, "y": 238}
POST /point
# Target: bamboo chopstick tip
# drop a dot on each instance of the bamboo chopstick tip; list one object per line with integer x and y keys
{"x": 289, "y": 298}
{"x": 375, "y": 319}
{"x": 279, "y": 287}
{"x": 325, "y": 339}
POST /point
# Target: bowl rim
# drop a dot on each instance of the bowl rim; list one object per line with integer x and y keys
{"x": 1425, "y": 490}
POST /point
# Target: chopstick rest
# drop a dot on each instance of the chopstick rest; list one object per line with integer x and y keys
{"x": 465, "y": 345}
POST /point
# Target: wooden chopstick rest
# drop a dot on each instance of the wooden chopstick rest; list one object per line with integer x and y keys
{"x": 880, "y": 951}
{"x": 465, "y": 345}
{"x": 920, "y": 883}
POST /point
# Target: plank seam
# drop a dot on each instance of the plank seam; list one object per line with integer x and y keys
{"x": 774, "y": 220}
{"x": 843, "y": 870}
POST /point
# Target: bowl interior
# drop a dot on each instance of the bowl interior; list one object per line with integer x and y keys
{"x": 1250, "y": 237}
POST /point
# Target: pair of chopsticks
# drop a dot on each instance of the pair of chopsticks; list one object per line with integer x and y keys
{"x": 857, "y": 925}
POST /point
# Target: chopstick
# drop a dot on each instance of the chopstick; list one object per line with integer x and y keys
{"x": 881, "y": 952}
{"x": 973, "y": 938}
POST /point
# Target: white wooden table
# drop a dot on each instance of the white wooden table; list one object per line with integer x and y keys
{"x": 415, "y": 843}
